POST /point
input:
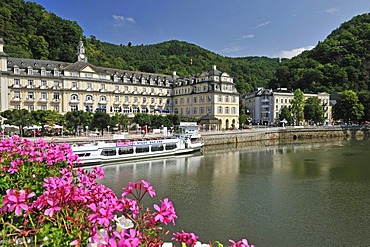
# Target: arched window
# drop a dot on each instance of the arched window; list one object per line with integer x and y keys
{"x": 89, "y": 97}
{"x": 74, "y": 97}
{"x": 103, "y": 98}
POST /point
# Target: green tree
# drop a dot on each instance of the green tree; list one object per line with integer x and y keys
{"x": 242, "y": 118}
{"x": 75, "y": 119}
{"x": 313, "y": 111}
{"x": 143, "y": 119}
{"x": 39, "y": 47}
{"x": 285, "y": 114}
{"x": 101, "y": 120}
{"x": 348, "y": 108}
{"x": 298, "y": 106}
{"x": 21, "y": 118}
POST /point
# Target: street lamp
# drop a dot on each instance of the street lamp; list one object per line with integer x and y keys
{"x": 108, "y": 129}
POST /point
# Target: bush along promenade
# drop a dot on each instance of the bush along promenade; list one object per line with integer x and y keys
{"x": 47, "y": 199}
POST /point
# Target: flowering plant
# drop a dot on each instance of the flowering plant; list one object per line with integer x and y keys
{"x": 47, "y": 199}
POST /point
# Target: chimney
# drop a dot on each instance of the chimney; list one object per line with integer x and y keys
{"x": 214, "y": 67}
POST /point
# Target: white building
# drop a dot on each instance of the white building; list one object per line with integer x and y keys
{"x": 264, "y": 106}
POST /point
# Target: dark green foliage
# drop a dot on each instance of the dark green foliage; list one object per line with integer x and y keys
{"x": 313, "y": 112}
{"x": 285, "y": 114}
{"x": 341, "y": 62}
{"x": 348, "y": 108}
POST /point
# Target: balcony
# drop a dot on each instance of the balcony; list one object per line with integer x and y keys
{"x": 89, "y": 101}
{"x": 30, "y": 100}
{"x": 15, "y": 99}
{"x": 74, "y": 101}
{"x": 117, "y": 102}
{"x": 43, "y": 100}
{"x": 103, "y": 102}
{"x": 126, "y": 103}
{"x": 55, "y": 101}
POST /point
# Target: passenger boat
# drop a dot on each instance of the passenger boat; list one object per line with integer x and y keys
{"x": 131, "y": 149}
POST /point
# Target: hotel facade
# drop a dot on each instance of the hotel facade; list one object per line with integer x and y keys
{"x": 264, "y": 105}
{"x": 61, "y": 86}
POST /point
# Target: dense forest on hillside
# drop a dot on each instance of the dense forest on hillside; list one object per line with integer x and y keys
{"x": 30, "y": 31}
{"x": 340, "y": 62}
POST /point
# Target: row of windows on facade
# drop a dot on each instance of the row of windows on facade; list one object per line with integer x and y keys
{"x": 265, "y": 100}
{"x": 75, "y": 98}
{"x": 124, "y": 78}
{"x": 44, "y": 84}
{"x": 197, "y": 89}
{"x": 133, "y": 110}
{"x": 103, "y": 98}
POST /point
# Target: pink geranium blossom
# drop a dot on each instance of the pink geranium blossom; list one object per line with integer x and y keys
{"x": 241, "y": 243}
{"x": 17, "y": 200}
{"x": 166, "y": 212}
{"x": 184, "y": 237}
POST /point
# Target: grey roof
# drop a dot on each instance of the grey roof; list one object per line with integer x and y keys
{"x": 37, "y": 64}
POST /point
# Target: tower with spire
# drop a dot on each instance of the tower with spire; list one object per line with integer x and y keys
{"x": 81, "y": 56}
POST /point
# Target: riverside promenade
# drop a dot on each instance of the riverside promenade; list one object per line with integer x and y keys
{"x": 254, "y": 134}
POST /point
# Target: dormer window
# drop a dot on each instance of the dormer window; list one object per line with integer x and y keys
{"x": 56, "y": 72}
{"x": 16, "y": 70}
{"x": 43, "y": 71}
{"x": 30, "y": 71}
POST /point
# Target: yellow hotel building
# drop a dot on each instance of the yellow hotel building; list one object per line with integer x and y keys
{"x": 61, "y": 86}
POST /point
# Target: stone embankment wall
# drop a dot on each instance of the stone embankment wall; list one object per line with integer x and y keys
{"x": 278, "y": 135}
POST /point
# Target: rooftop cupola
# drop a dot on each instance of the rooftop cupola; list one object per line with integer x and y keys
{"x": 81, "y": 56}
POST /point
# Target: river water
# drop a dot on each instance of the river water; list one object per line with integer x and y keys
{"x": 297, "y": 194}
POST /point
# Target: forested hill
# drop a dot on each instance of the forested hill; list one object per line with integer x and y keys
{"x": 29, "y": 31}
{"x": 340, "y": 62}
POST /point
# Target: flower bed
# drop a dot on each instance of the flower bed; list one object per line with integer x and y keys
{"x": 48, "y": 199}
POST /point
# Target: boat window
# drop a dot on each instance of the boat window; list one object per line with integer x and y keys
{"x": 170, "y": 146}
{"x": 83, "y": 154}
{"x": 126, "y": 150}
{"x": 156, "y": 148}
{"x": 142, "y": 149}
{"x": 108, "y": 152}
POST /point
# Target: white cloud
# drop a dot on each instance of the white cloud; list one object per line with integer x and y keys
{"x": 248, "y": 36}
{"x": 332, "y": 10}
{"x": 119, "y": 20}
{"x": 294, "y": 52}
{"x": 232, "y": 49}
{"x": 263, "y": 24}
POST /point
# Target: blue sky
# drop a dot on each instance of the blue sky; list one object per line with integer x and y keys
{"x": 233, "y": 28}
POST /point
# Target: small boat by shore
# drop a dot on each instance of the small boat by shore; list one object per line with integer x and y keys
{"x": 101, "y": 152}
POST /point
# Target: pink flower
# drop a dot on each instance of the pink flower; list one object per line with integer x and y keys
{"x": 166, "y": 213}
{"x": 148, "y": 188}
{"x": 184, "y": 237}
{"x": 17, "y": 200}
{"x": 241, "y": 243}
{"x": 125, "y": 239}
{"x": 53, "y": 203}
